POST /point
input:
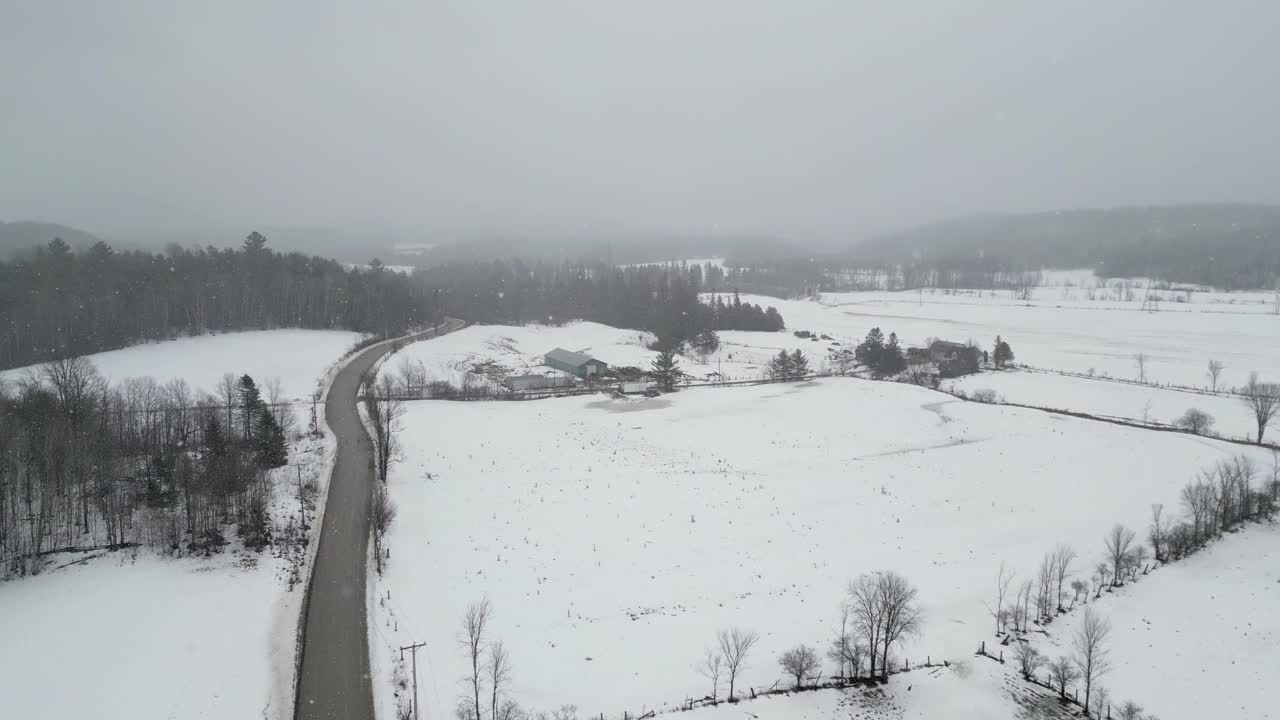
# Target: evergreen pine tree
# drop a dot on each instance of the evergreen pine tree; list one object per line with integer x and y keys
{"x": 250, "y": 406}
{"x": 665, "y": 371}
{"x": 160, "y": 489}
{"x": 780, "y": 366}
{"x": 799, "y": 364}
{"x": 270, "y": 449}
{"x": 773, "y": 320}
{"x": 868, "y": 353}
{"x": 1003, "y": 353}
{"x": 706, "y": 341}
{"x": 892, "y": 361}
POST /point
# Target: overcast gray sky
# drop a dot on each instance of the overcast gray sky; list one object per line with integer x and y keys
{"x": 796, "y": 117}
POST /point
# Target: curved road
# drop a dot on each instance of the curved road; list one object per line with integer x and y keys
{"x": 333, "y": 676}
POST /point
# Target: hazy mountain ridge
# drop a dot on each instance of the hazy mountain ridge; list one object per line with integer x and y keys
{"x": 1227, "y": 245}
{"x": 22, "y": 235}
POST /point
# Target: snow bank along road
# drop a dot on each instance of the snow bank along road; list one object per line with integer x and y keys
{"x": 333, "y": 679}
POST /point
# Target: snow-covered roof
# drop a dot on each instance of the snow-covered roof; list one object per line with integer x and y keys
{"x": 569, "y": 357}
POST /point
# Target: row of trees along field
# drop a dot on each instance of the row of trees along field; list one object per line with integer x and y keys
{"x": 56, "y": 303}
{"x": 1221, "y": 499}
{"x": 879, "y": 611}
{"x": 663, "y": 299}
{"x": 84, "y": 464}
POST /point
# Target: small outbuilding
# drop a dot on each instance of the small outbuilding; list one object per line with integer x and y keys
{"x": 574, "y": 363}
{"x": 954, "y": 359}
{"x": 536, "y": 382}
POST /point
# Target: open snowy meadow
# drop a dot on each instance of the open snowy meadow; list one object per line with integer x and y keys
{"x": 614, "y": 537}
{"x": 298, "y": 358}
{"x": 137, "y": 636}
{"x": 1178, "y": 345}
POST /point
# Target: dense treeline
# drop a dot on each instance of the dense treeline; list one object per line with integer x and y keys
{"x": 57, "y": 303}
{"x": 1225, "y": 246}
{"x": 661, "y": 299}
{"x": 83, "y": 464}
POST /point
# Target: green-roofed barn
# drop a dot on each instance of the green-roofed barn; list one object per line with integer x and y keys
{"x": 583, "y": 366}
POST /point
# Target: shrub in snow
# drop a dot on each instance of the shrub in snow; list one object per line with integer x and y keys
{"x": 1196, "y": 421}
{"x": 986, "y": 396}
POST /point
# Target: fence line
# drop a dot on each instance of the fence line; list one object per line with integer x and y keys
{"x": 1179, "y": 388}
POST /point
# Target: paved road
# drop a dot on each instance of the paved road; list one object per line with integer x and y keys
{"x": 333, "y": 679}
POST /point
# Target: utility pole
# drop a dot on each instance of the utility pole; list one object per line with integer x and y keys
{"x": 413, "y": 651}
{"x": 302, "y": 507}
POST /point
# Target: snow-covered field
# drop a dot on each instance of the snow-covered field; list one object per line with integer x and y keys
{"x": 614, "y": 537}
{"x": 1082, "y": 289}
{"x": 1178, "y": 345}
{"x": 122, "y": 638}
{"x": 131, "y": 635}
{"x": 1199, "y": 638}
{"x": 297, "y": 357}
{"x": 1142, "y": 403}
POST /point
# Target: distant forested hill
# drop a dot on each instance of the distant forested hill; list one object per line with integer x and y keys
{"x": 60, "y": 302}
{"x": 1228, "y": 246}
{"x": 22, "y": 236}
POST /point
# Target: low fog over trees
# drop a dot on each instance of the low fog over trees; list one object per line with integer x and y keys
{"x": 663, "y": 299}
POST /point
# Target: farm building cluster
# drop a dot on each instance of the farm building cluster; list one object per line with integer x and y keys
{"x": 566, "y": 368}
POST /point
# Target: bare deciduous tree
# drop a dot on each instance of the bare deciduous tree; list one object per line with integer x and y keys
{"x": 867, "y": 614}
{"x": 1130, "y": 710}
{"x": 799, "y": 662}
{"x": 1063, "y": 672}
{"x": 382, "y": 511}
{"x": 1156, "y": 533}
{"x": 1029, "y": 659}
{"x": 565, "y": 712}
{"x": 901, "y": 615}
{"x": 499, "y": 674}
{"x": 1022, "y": 605}
{"x": 1118, "y": 541}
{"x": 710, "y": 669}
{"x": 735, "y": 645}
{"x": 1263, "y": 400}
{"x": 1002, "y": 589}
{"x": 1063, "y": 555}
{"x": 228, "y": 390}
{"x": 1090, "y": 652}
{"x": 474, "y": 624}
{"x": 510, "y": 710}
{"x": 384, "y": 411}
{"x": 273, "y": 389}
{"x": 1079, "y": 588}
{"x": 840, "y": 644}
{"x": 1101, "y": 698}
{"x": 1045, "y": 583}
{"x": 1141, "y": 361}
{"x": 1215, "y": 371}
